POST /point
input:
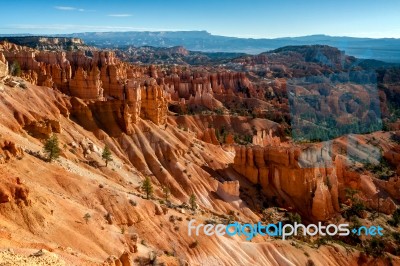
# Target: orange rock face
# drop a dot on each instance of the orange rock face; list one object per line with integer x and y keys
{"x": 154, "y": 103}
{"x": 277, "y": 170}
{"x": 9, "y": 150}
{"x": 86, "y": 85}
{"x": 3, "y": 66}
{"x": 12, "y": 190}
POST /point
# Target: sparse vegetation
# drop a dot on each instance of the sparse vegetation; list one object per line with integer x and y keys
{"x": 106, "y": 155}
{"x": 15, "y": 69}
{"x": 375, "y": 247}
{"x": 87, "y": 216}
{"x": 357, "y": 206}
{"x": 51, "y": 147}
{"x": 167, "y": 193}
{"x": 132, "y": 202}
{"x": 395, "y": 138}
{"x": 192, "y": 201}
{"x": 310, "y": 263}
{"x": 194, "y": 244}
{"x": 383, "y": 169}
{"x": 293, "y": 217}
{"x": 147, "y": 187}
{"x": 395, "y": 221}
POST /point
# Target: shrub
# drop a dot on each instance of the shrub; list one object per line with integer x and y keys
{"x": 395, "y": 221}
{"x": 395, "y": 138}
{"x": 357, "y": 206}
{"x": 192, "y": 202}
{"x": 106, "y": 155}
{"x": 375, "y": 247}
{"x": 384, "y": 170}
{"x": 167, "y": 193}
{"x": 132, "y": 202}
{"x": 87, "y": 216}
{"x": 310, "y": 263}
{"x": 147, "y": 187}
{"x": 52, "y": 148}
{"x": 194, "y": 244}
{"x": 15, "y": 69}
{"x": 23, "y": 86}
{"x": 293, "y": 217}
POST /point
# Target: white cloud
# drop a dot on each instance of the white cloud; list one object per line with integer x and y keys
{"x": 54, "y": 28}
{"x": 71, "y": 8}
{"x": 66, "y": 8}
{"x": 120, "y": 15}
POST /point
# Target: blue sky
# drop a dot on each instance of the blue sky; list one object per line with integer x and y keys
{"x": 252, "y": 18}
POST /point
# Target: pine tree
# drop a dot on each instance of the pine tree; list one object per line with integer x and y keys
{"x": 147, "y": 187}
{"x": 87, "y": 216}
{"x": 15, "y": 69}
{"x": 167, "y": 192}
{"x": 192, "y": 202}
{"x": 106, "y": 155}
{"x": 52, "y": 148}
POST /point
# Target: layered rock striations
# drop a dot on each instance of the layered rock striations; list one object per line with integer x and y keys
{"x": 3, "y": 66}
{"x": 313, "y": 191}
{"x": 298, "y": 179}
{"x": 145, "y": 91}
{"x": 110, "y": 87}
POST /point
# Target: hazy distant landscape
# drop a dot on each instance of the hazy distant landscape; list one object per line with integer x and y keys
{"x": 386, "y": 49}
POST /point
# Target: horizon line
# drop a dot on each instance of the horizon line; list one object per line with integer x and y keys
{"x": 27, "y": 34}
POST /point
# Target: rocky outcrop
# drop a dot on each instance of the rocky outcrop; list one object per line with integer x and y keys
{"x": 3, "y": 66}
{"x": 12, "y": 190}
{"x": 102, "y": 78}
{"x": 47, "y": 43}
{"x": 154, "y": 103}
{"x": 9, "y": 150}
{"x": 86, "y": 85}
{"x": 312, "y": 191}
{"x": 312, "y": 180}
{"x": 43, "y": 128}
{"x": 124, "y": 260}
{"x": 228, "y": 190}
{"x": 208, "y": 135}
{"x": 265, "y": 138}
{"x": 114, "y": 117}
{"x": 198, "y": 88}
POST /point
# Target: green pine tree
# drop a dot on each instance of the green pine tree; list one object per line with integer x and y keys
{"x": 106, "y": 155}
{"x": 52, "y": 148}
{"x": 147, "y": 187}
{"x": 192, "y": 201}
{"x": 15, "y": 69}
{"x": 167, "y": 192}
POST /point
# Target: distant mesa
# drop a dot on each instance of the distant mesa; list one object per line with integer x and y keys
{"x": 45, "y": 42}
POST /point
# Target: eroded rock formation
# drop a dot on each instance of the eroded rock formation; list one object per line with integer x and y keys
{"x": 12, "y": 190}
{"x": 3, "y": 66}
{"x": 9, "y": 150}
{"x": 313, "y": 191}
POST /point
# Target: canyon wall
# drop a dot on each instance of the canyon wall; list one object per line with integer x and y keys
{"x": 293, "y": 176}
{"x": 120, "y": 92}
{"x": 313, "y": 191}
{"x": 3, "y": 66}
